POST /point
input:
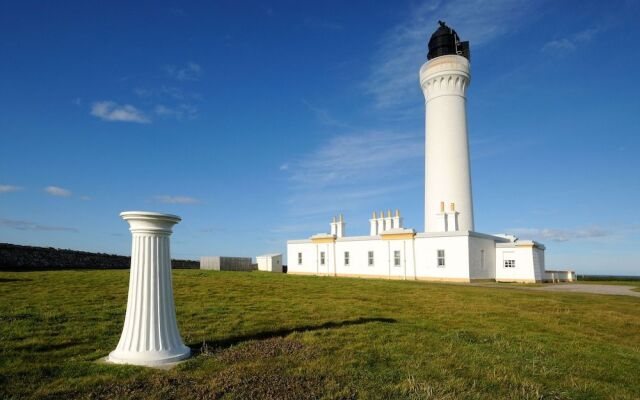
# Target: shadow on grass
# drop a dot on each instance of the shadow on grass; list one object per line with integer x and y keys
{"x": 3, "y": 280}
{"x": 224, "y": 343}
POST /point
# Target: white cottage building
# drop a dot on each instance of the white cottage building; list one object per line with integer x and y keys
{"x": 450, "y": 249}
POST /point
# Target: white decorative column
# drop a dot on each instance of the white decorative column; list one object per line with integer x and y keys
{"x": 444, "y": 81}
{"x": 150, "y": 335}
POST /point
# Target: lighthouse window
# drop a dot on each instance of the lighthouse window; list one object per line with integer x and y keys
{"x": 396, "y": 258}
{"x": 509, "y": 263}
{"x": 370, "y": 259}
{"x": 299, "y": 258}
{"x": 322, "y": 258}
{"x": 441, "y": 258}
{"x": 346, "y": 258}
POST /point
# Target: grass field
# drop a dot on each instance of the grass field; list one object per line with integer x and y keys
{"x": 260, "y": 335}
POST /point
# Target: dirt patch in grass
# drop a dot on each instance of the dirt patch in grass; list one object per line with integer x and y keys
{"x": 260, "y": 349}
{"x": 246, "y": 383}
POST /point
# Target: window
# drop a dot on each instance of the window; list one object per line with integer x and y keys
{"x": 299, "y": 258}
{"x": 346, "y": 258}
{"x": 396, "y": 258}
{"x": 441, "y": 258}
{"x": 509, "y": 263}
{"x": 370, "y": 259}
{"x": 322, "y": 258}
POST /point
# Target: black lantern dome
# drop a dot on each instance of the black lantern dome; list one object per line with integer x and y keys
{"x": 445, "y": 41}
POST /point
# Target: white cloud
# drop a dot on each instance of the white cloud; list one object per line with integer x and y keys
{"x": 393, "y": 80}
{"x": 356, "y": 157}
{"x": 179, "y": 112}
{"x": 57, "y": 191}
{"x": 354, "y": 168}
{"x": 284, "y": 167}
{"x": 572, "y": 42}
{"x": 190, "y": 72}
{"x": 323, "y": 116}
{"x": 9, "y": 188}
{"x": 111, "y": 111}
{"x": 32, "y": 226}
{"x": 559, "y": 235}
{"x": 176, "y": 199}
{"x": 85, "y": 198}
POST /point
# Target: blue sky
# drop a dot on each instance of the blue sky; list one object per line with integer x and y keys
{"x": 258, "y": 121}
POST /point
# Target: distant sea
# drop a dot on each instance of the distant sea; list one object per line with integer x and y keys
{"x": 608, "y": 278}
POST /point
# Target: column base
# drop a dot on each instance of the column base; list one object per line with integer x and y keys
{"x": 149, "y": 358}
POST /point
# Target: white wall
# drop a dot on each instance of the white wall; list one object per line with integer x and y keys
{"x": 269, "y": 263}
{"x": 456, "y": 250}
{"x": 463, "y": 260}
{"x": 524, "y": 269}
{"x": 482, "y": 258}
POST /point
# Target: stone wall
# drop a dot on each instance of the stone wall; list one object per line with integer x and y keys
{"x": 30, "y": 258}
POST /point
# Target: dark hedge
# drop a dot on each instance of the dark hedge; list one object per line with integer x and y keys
{"x": 14, "y": 257}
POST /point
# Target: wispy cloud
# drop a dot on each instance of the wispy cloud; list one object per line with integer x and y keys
{"x": 189, "y": 72}
{"x": 180, "y": 111}
{"x": 9, "y": 188}
{"x": 167, "y": 92}
{"x": 112, "y": 111}
{"x": 323, "y": 116}
{"x": 57, "y": 191}
{"x": 176, "y": 199}
{"x": 559, "y": 235}
{"x": 85, "y": 198}
{"x": 393, "y": 80}
{"x": 32, "y": 226}
{"x": 355, "y": 157}
{"x": 284, "y": 167}
{"x": 315, "y": 23}
{"x": 572, "y": 42}
{"x": 353, "y": 168}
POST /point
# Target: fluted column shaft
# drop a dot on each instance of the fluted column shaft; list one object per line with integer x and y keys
{"x": 150, "y": 335}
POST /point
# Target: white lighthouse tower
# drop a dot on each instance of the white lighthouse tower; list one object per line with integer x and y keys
{"x": 444, "y": 79}
{"x": 450, "y": 249}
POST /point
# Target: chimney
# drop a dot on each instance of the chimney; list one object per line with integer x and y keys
{"x": 340, "y": 227}
{"x": 373, "y": 222}
{"x": 397, "y": 220}
{"x": 388, "y": 221}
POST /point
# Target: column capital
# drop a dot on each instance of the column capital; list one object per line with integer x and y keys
{"x": 150, "y": 222}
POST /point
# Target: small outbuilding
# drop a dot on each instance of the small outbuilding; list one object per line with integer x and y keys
{"x": 270, "y": 262}
{"x": 218, "y": 263}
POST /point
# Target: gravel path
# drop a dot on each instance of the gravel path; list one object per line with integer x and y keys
{"x": 619, "y": 290}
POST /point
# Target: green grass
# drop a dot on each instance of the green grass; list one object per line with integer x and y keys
{"x": 261, "y": 335}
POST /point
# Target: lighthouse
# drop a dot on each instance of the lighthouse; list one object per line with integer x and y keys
{"x": 444, "y": 79}
{"x": 450, "y": 249}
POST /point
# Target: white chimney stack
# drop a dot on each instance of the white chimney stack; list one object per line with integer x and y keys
{"x": 340, "y": 227}
{"x": 334, "y": 226}
{"x": 373, "y": 222}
